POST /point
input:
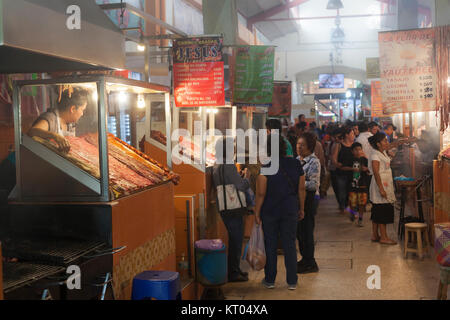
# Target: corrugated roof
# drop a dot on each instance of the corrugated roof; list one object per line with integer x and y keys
{"x": 271, "y": 30}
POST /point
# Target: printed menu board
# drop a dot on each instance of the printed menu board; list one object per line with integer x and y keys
{"x": 377, "y": 105}
{"x": 253, "y": 76}
{"x": 282, "y": 100}
{"x": 408, "y": 81}
{"x": 198, "y": 72}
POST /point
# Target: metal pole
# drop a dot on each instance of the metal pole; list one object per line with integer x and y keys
{"x": 168, "y": 129}
{"x": 233, "y": 120}
{"x": 188, "y": 232}
{"x": 147, "y": 63}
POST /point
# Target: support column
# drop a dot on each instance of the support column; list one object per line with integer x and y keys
{"x": 442, "y": 13}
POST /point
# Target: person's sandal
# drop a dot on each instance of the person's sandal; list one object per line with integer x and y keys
{"x": 375, "y": 240}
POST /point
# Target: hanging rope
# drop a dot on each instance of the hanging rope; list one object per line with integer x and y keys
{"x": 122, "y": 12}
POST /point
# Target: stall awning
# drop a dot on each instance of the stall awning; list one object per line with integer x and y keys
{"x": 34, "y": 37}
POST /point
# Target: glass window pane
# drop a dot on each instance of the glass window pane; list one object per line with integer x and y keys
{"x": 158, "y": 122}
{"x": 64, "y": 118}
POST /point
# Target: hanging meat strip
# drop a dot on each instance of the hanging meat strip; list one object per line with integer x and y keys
{"x": 442, "y": 56}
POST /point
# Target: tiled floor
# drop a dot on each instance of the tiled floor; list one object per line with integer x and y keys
{"x": 344, "y": 252}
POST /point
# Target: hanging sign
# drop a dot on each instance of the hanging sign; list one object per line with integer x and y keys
{"x": 377, "y": 106}
{"x": 253, "y": 76}
{"x": 407, "y": 71}
{"x": 372, "y": 68}
{"x": 282, "y": 100}
{"x": 198, "y": 72}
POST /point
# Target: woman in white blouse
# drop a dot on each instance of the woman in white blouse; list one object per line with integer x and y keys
{"x": 381, "y": 189}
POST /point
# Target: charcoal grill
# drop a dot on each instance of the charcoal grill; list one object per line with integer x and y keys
{"x": 56, "y": 252}
{"x": 43, "y": 264}
{"x": 19, "y": 274}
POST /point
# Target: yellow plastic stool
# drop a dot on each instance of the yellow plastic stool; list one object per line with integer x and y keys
{"x": 416, "y": 228}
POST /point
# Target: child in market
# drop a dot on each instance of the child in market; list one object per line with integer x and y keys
{"x": 359, "y": 184}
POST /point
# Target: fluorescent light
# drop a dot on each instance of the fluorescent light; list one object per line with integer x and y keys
{"x": 141, "y": 48}
{"x": 95, "y": 95}
{"x": 348, "y": 94}
{"x": 209, "y": 110}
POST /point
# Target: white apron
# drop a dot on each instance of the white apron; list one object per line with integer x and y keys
{"x": 386, "y": 178}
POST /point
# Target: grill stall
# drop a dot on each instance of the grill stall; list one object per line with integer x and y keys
{"x": 74, "y": 208}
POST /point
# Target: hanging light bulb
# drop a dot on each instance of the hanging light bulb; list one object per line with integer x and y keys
{"x": 141, "y": 102}
{"x": 334, "y": 5}
{"x": 122, "y": 97}
{"x": 338, "y": 34}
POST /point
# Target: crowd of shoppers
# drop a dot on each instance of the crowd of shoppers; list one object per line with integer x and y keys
{"x": 353, "y": 158}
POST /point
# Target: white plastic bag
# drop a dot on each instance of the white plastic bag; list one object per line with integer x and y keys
{"x": 256, "y": 252}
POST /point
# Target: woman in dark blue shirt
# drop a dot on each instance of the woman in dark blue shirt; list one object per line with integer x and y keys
{"x": 279, "y": 205}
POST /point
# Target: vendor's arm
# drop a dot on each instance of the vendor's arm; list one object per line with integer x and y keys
{"x": 398, "y": 142}
{"x": 41, "y": 129}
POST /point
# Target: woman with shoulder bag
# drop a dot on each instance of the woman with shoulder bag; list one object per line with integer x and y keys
{"x": 279, "y": 205}
{"x": 232, "y": 206}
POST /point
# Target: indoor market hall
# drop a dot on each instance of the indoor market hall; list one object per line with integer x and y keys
{"x": 182, "y": 154}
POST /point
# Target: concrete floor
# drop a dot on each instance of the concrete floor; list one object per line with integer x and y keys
{"x": 343, "y": 253}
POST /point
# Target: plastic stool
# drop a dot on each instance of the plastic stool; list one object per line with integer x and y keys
{"x": 416, "y": 228}
{"x": 159, "y": 285}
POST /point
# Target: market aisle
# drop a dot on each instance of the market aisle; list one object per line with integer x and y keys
{"x": 343, "y": 253}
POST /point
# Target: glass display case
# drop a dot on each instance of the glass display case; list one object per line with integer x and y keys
{"x": 74, "y": 139}
{"x": 188, "y": 126}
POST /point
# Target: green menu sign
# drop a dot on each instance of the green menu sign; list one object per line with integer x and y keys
{"x": 253, "y": 76}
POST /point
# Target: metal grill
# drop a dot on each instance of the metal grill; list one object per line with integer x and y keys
{"x": 56, "y": 252}
{"x": 21, "y": 273}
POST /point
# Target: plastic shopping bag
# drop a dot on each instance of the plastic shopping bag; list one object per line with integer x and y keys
{"x": 256, "y": 252}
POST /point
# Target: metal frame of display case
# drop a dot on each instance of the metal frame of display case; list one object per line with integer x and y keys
{"x": 99, "y": 187}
